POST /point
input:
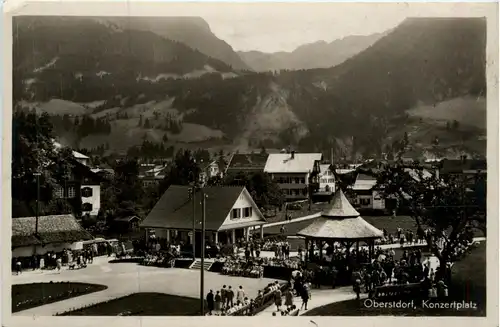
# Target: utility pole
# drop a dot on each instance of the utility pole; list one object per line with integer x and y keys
{"x": 194, "y": 220}
{"x": 202, "y": 272}
{"x": 37, "y": 174}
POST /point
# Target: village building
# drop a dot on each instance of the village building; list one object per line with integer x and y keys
{"x": 210, "y": 170}
{"x": 295, "y": 173}
{"x": 80, "y": 157}
{"x": 82, "y": 185}
{"x": 151, "y": 174}
{"x": 104, "y": 173}
{"x": 326, "y": 179}
{"x": 366, "y": 197}
{"x": 246, "y": 162}
{"x": 230, "y": 214}
{"x": 55, "y": 233}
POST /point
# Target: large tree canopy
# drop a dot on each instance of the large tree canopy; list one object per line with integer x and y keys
{"x": 33, "y": 152}
{"x": 448, "y": 208}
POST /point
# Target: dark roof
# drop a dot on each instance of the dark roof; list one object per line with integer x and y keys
{"x": 175, "y": 209}
{"x": 456, "y": 165}
{"x": 51, "y": 229}
{"x": 248, "y": 161}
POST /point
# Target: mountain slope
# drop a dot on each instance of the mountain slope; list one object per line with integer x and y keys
{"x": 80, "y": 59}
{"x": 192, "y": 31}
{"x": 361, "y": 106}
{"x": 314, "y": 55}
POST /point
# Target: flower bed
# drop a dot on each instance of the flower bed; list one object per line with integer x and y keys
{"x": 27, "y": 296}
{"x": 141, "y": 304}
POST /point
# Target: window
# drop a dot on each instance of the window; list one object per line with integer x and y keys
{"x": 58, "y": 192}
{"x": 235, "y": 213}
{"x": 364, "y": 202}
{"x": 303, "y": 180}
{"x": 247, "y": 212}
{"x": 71, "y": 192}
{"x": 87, "y": 207}
{"x": 86, "y": 192}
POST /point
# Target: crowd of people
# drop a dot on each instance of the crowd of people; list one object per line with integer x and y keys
{"x": 228, "y": 301}
{"x": 55, "y": 260}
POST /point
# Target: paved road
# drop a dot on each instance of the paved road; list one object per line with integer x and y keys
{"x": 126, "y": 278}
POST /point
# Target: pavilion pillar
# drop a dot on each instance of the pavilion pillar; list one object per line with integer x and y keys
{"x": 306, "y": 254}
{"x": 311, "y": 253}
{"x": 320, "y": 246}
{"x": 216, "y": 237}
{"x": 261, "y": 232}
{"x": 357, "y": 251}
{"x": 247, "y": 233}
{"x": 233, "y": 236}
{"x": 168, "y": 235}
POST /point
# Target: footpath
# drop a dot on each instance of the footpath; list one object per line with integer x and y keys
{"x": 319, "y": 298}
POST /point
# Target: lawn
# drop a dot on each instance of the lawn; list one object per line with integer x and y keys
{"x": 468, "y": 284}
{"x": 142, "y": 304}
{"x": 27, "y": 296}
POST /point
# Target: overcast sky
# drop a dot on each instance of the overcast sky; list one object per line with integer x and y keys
{"x": 272, "y": 27}
{"x": 283, "y": 27}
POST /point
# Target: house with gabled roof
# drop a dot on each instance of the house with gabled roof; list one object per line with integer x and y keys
{"x": 230, "y": 214}
{"x": 295, "y": 173}
{"x": 55, "y": 233}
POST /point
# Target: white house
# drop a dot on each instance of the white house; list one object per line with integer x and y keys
{"x": 230, "y": 214}
{"x": 326, "y": 179}
{"x": 294, "y": 172}
{"x": 366, "y": 196}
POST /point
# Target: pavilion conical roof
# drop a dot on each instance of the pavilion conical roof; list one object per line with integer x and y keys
{"x": 341, "y": 207}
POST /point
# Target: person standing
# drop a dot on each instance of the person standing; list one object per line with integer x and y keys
{"x": 42, "y": 263}
{"x": 210, "y": 302}
{"x": 277, "y": 299}
{"x": 18, "y": 266}
{"x": 305, "y": 297}
{"x": 223, "y": 295}
{"x": 218, "y": 301}
{"x": 230, "y": 297}
{"x": 288, "y": 298}
{"x": 240, "y": 296}
{"x": 59, "y": 264}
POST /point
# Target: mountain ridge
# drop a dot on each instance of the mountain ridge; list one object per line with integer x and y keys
{"x": 360, "y": 107}
{"x": 325, "y": 54}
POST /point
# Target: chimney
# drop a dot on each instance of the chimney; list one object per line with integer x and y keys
{"x": 293, "y": 154}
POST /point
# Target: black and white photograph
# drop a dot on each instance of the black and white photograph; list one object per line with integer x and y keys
{"x": 284, "y": 160}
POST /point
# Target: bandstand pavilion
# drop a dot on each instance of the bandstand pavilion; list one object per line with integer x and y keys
{"x": 340, "y": 223}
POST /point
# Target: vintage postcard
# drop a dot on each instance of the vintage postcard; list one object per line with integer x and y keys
{"x": 319, "y": 161}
